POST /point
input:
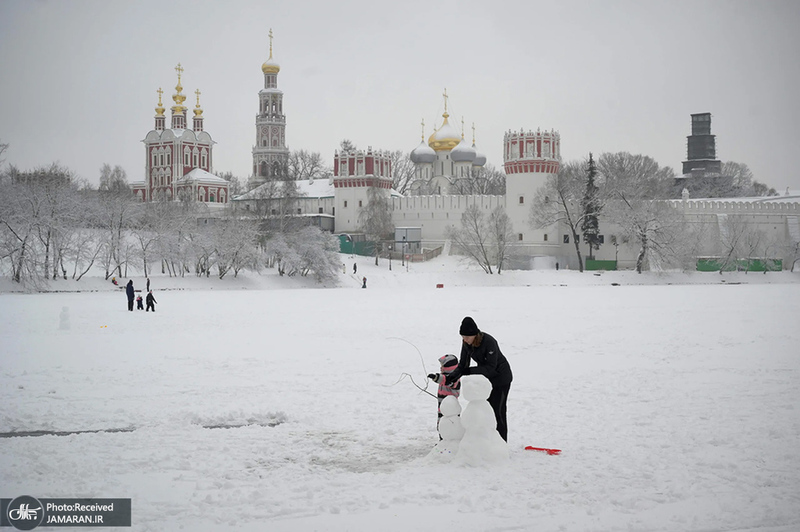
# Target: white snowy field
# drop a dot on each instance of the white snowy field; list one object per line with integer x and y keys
{"x": 675, "y": 400}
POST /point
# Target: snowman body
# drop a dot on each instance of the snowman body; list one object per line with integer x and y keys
{"x": 481, "y": 444}
{"x": 450, "y": 430}
{"x": 64, "y": 319}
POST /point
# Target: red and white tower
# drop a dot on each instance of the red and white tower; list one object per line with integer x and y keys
{"x": 270, "y": 154}
{"x": 354, "y": 173}
{"x": 529, "y": 157}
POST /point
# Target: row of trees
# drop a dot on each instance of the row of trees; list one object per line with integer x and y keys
{"x": 54, "y": 226}
{"x": 622, "y": 188}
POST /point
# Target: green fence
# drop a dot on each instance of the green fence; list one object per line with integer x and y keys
{"x": 353, "y": 246}
{"x": 592, "y": 264}
{"x": 715, "y": 264}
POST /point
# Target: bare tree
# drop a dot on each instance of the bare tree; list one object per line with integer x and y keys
{"x": 502, "y": 236}
{"x": 473, "y": 237}
{"x": 484, "y": 180}
{"x": 307, "y": 165}
{"x": 559, "y": 202}
{"x": 402, "y": 171}
{"x": 114, "y": 218}
{"x": 375, "y": 218}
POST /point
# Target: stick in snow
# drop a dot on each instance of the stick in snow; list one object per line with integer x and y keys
{"x": 544, "y": 450}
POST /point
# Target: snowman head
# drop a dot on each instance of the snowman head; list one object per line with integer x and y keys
{"x": 450, "y": 406}
{"x": 475, "y": 387}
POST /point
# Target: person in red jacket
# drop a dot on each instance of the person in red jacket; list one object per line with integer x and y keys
{"x": 482, "y": 348}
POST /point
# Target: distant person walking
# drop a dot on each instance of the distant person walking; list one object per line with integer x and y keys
{"x": 151, "y": 302}
{"x": 364, "y": 283}
{"x": 130, "y": 293}
{"x": 355, "y": 268}
{"x": 139, "y": 305}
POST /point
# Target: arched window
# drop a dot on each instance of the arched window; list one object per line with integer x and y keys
{"x": 195, "y": 157}
{"x": 263, "y": 169}
{"x": 186, "y": 156}
{"x": 276, "y": 169}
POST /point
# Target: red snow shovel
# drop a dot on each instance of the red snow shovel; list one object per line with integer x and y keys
{"x": 542, "y": 449}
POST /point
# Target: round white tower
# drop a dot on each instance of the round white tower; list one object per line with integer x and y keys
{"x": 529, "y": 157}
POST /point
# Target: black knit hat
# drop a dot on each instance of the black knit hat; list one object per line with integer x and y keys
{"x": 468, "y": 327}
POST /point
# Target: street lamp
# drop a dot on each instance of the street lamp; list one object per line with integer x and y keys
{"x": 390, "y": 257}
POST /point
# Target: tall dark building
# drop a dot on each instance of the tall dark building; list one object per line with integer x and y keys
{"x": 702, "y": 156}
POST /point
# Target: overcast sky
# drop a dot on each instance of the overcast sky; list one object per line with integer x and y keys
{"x": 78, "y": 79}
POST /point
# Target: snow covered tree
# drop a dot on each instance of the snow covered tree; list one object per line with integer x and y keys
{"x": 235, "y": 186}
{"x": 113, "y": 179}
{"x": 590, "y": 226}
{"x": 235, "y": 241}
{"x": 306, "y": 250}
{"x": 114, "y": 217}
{"x": 630, "y": 184}
{"x": 558, "y": 202}
{"x": 39, "y": 210}
{"x": 760, "y": 189}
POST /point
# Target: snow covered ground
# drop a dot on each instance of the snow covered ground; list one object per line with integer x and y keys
{"x": 675, "y": 400}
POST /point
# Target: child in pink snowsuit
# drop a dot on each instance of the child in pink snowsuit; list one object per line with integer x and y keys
{"x": 448, "y": 364}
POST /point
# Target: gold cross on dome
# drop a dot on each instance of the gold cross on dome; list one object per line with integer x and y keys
{"x": 160, "y": 92}
{"x": 270, "y": 43}
{"x": 179, "y": 70}
{"x": 423, "y": 129}
{"x": 197, "y": 92}
{"x": 445, "y": 99}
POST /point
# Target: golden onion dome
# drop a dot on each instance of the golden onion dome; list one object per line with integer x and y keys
{"x": 270, "y": 66}
{"x": 160, "y": 108}
{"x": 445, "y": 138}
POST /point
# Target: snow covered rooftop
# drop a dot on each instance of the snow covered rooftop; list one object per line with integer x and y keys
{"x": 201, "y": 176}
{"x": 318, "y": 188}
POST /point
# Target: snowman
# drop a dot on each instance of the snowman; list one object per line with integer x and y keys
{"x": 450, "y": 430}
{"x": 64, "y": 319}
{"x": 481, "y": 444}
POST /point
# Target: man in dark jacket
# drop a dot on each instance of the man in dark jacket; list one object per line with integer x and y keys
{"x": 490, "y": 362}
{"x": 130, "y": 294}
